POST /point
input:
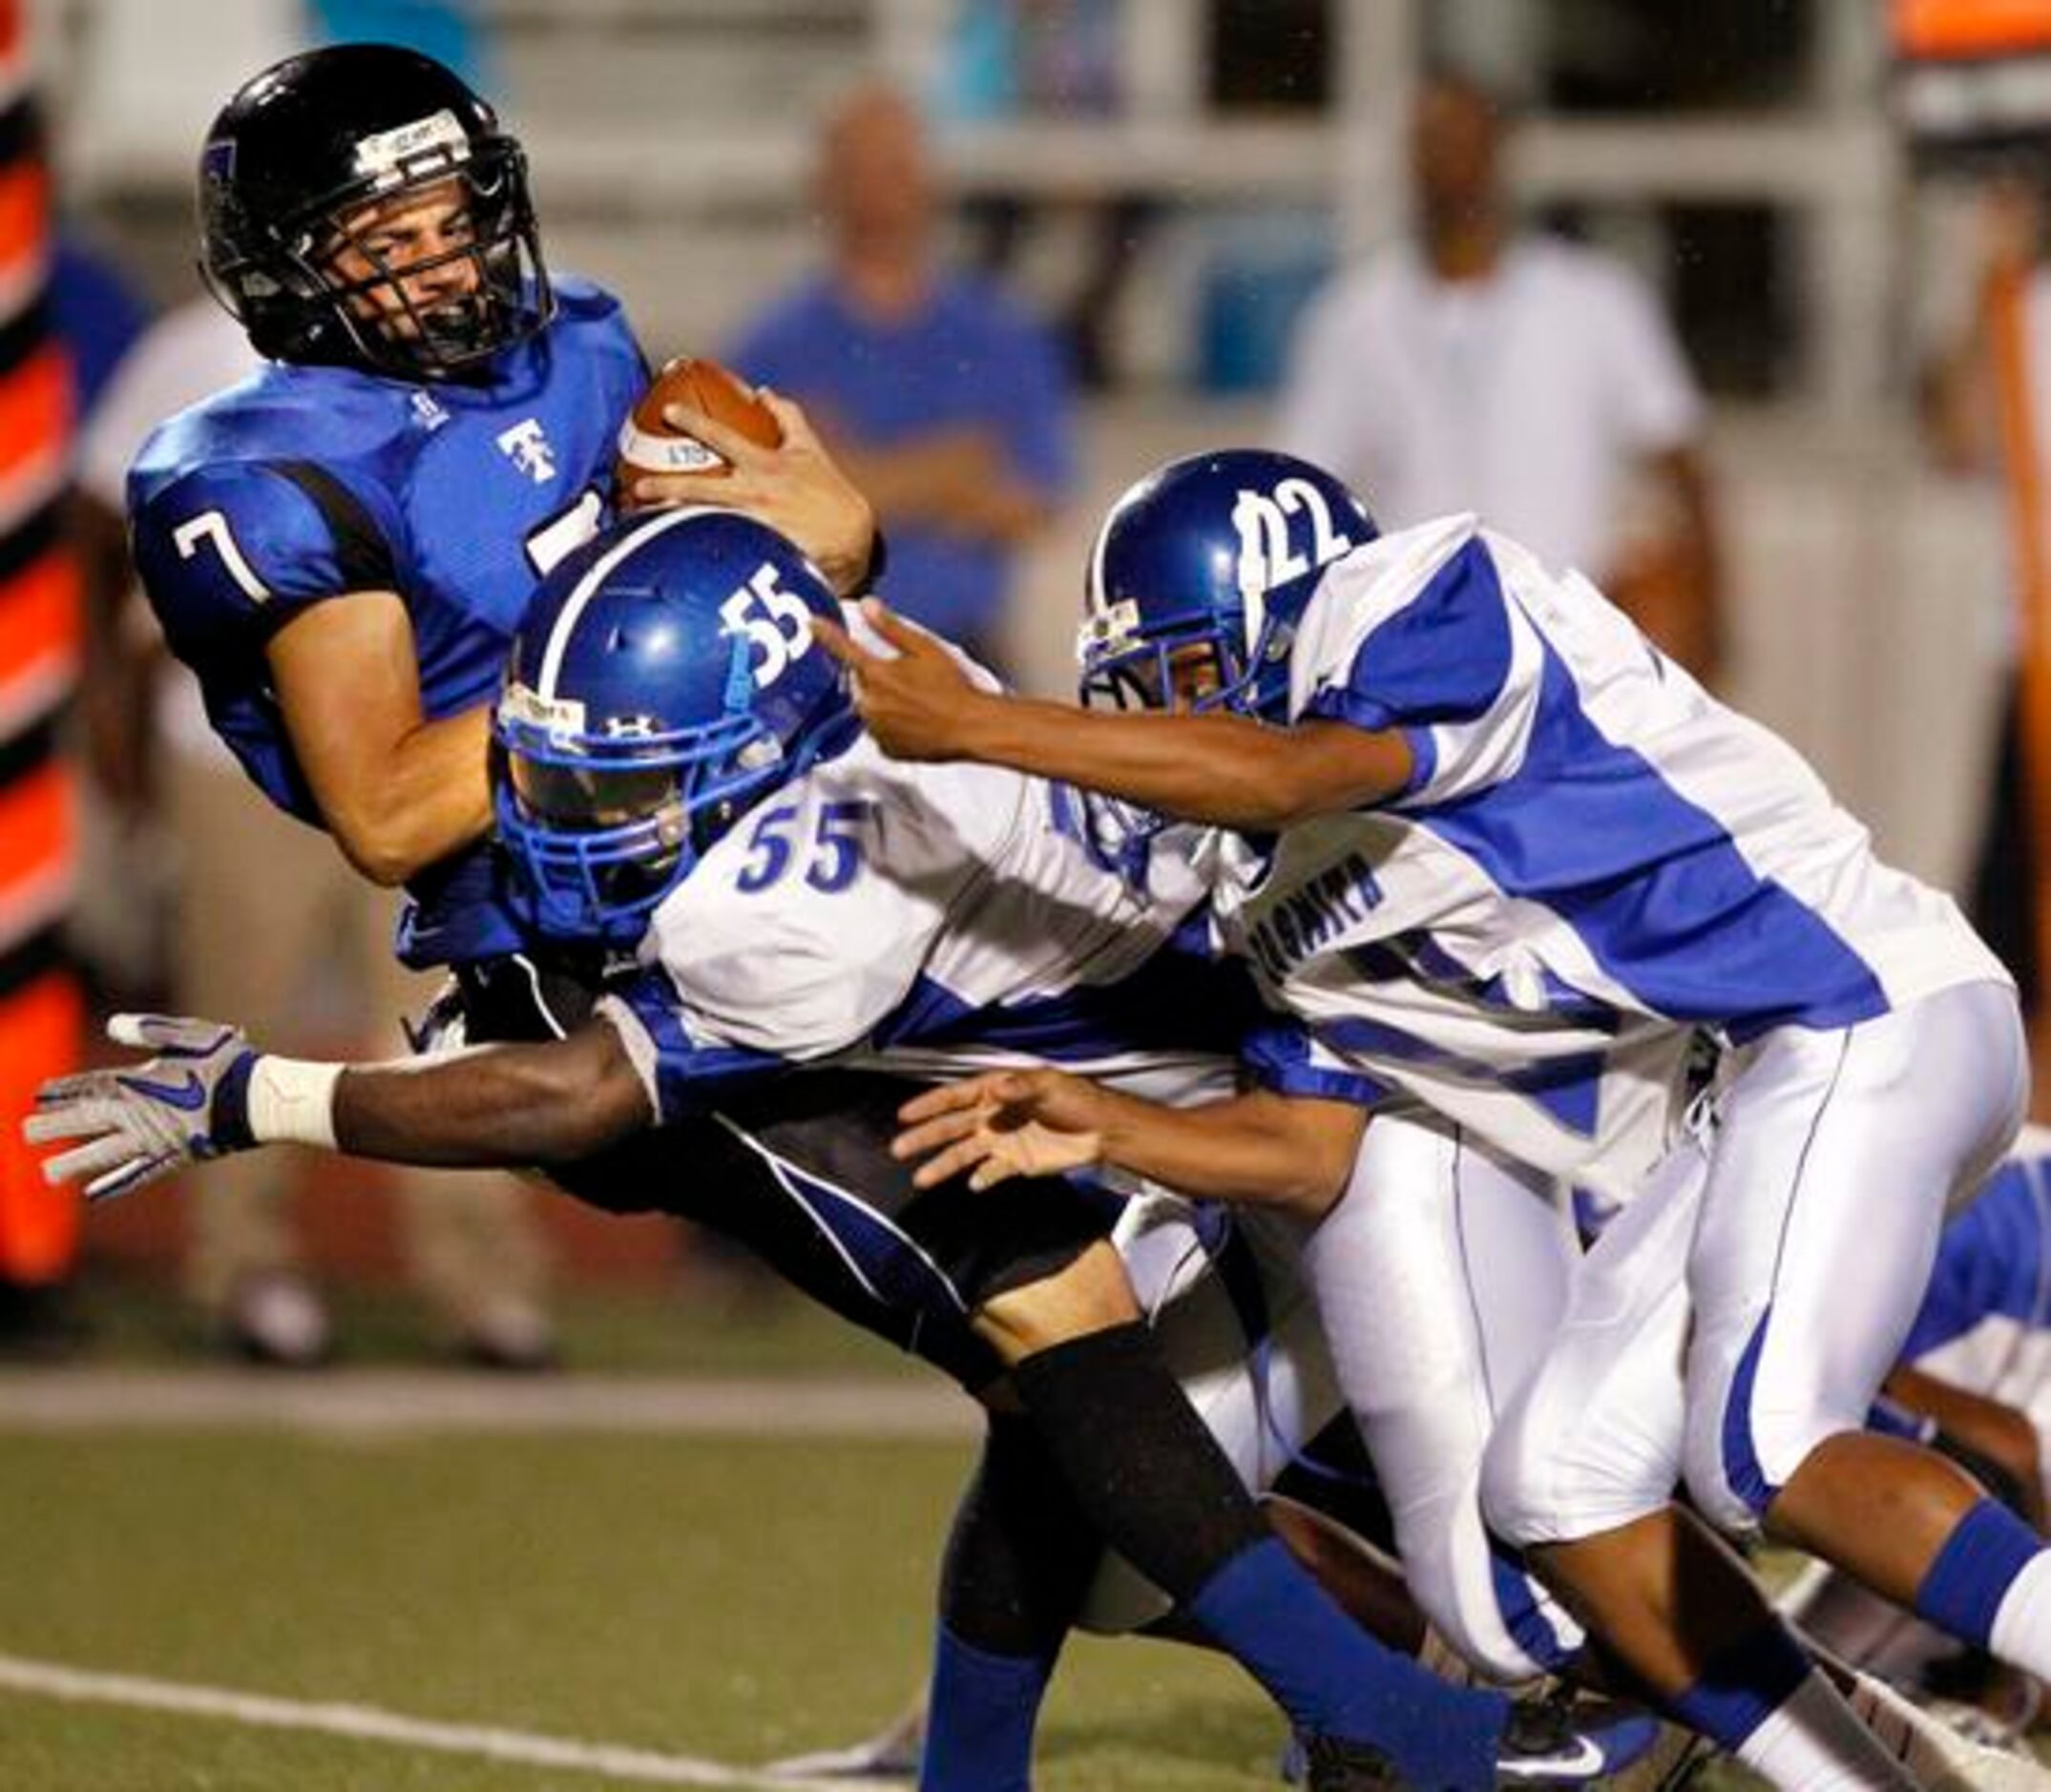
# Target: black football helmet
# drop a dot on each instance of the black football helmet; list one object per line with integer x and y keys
{"x": 293, "y": 161}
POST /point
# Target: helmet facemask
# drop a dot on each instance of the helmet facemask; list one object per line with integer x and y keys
{"x": 603, "y": 828}
{"x": 319, "y": 285}
{"x": 1192, "y": 665}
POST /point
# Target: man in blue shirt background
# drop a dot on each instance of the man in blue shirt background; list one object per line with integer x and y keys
{"x": 945, "y": 403}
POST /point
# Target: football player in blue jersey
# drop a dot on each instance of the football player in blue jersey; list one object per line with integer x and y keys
{"x": 340, "y": 546}
{"x": 1491, "y": 842}
{"x": 678, "y": 774}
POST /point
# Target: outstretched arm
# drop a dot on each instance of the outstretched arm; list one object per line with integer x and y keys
{"x": 1259, "y": 1147}
{"x": 1220, "y": 770}
{"x": 207, "y": 1091}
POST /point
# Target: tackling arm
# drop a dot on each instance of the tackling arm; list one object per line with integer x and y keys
{"x": 207, "y": 1091}
{"x": 1220, "y": 770}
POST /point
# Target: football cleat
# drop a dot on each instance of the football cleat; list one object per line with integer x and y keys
{"x": 1937, "y": 1756}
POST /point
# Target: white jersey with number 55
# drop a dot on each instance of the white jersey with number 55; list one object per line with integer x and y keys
{"x": 933, "y": 920}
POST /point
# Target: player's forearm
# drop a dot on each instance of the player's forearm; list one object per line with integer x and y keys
{"x": 496, "y": 1106}
{"x": 504, "y": 1105}
{"x": 430, "y": 798}
{"x": 1258, "y": 1149}
{"x": 1218, "y": 770}
{"x": 1224, "y": 771}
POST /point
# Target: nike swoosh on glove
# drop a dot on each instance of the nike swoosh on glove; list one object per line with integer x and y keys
{"x": 188, "y": 1102}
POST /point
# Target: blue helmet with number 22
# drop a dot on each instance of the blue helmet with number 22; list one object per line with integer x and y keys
{"x": 1200, "y": 577}
{"x": 663, "y": 680}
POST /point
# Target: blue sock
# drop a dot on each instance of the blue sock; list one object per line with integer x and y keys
{"x": 1335, "y": 1680}
{"x": 979, "y": 1719}
{"x": 1744, "y": 1685}
{"x": 1965, "y": 1587}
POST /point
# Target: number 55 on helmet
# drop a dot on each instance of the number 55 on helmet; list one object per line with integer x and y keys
{"x": 664, "y": 680}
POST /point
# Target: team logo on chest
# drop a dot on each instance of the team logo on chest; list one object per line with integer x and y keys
{"x": 528, "y": 449}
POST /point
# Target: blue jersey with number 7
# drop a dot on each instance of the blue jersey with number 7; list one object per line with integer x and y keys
{"x": 307, "y": 483}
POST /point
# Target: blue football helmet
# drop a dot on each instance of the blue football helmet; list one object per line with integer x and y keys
{"x": 1200, "y": 576}
{"x": 663, "y": 680}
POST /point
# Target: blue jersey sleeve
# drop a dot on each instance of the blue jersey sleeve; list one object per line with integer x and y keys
{"x": 231, "y": 552}
{"x": 682, "y": 1075}
{"x": 1434, "y": 669}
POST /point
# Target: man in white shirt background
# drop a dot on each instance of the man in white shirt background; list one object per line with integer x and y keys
{"x": 1481, "y": 366}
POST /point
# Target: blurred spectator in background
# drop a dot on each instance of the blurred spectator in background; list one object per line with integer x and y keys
{"x": 265, "y": 907}
{"x": 41, "y": 1006}
{"x": 1485, "y": 368}
{"x": 941, "y": 399}
{"x": 1963, "y": 415}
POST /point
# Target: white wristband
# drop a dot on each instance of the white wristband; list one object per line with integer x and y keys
{"x": 292, "y": 1101}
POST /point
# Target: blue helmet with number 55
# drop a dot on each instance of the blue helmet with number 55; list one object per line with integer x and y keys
{"x": 663, "y": 680}
{"x": 1200, "y": 577}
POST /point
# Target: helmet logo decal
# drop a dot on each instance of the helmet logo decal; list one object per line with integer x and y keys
{"x": 1112, "y": 630}
{"x": 382, "y": 157}
{"x": 773, "y": 619}
{"x": 558, "y": 714}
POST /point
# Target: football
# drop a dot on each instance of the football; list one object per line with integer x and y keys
{"x": 648, "y": 445}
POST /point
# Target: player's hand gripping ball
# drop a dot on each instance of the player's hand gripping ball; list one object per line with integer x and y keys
{"x": 650, "y": 444}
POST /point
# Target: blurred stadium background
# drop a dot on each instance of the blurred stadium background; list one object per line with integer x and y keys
{"x": 653, "y": 1580}
{"x": 1745, "y": 157}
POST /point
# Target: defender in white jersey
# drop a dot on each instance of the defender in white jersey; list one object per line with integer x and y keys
{"x": 1482, "y": 775}
{"x": 1003, "y": 936}
{"x": 679, "y": 774}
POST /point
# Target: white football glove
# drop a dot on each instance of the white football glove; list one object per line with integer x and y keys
{"x": 188, "y": 1102}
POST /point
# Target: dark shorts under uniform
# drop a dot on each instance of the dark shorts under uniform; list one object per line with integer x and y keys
{"x": 798, "y": 1170}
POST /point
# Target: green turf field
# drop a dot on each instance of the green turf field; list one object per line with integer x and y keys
{"x": 728, "y": 1600}
{"x": 723, "y": 1599}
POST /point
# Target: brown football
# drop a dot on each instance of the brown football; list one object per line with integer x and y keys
{"x": 648, "y": 445}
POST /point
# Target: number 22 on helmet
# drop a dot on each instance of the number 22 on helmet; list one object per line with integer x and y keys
{"x": 1198, "y": 582}
{"x": 1199, "y": 578}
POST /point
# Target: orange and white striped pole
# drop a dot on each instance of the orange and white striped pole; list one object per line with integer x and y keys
{"x": 42, "y": 1010}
